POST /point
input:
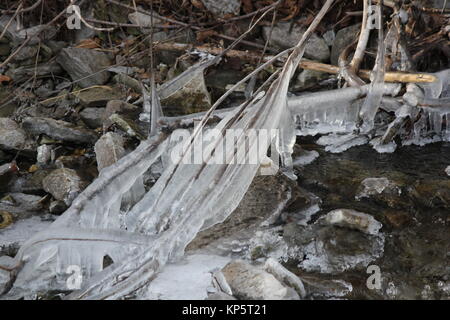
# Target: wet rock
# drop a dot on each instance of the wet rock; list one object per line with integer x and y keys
{"x": 432, "y": 193}
{"x": 85, "y": 64}
{"x": 388, "y": 192}
{"x": 99, "y": 96}
{"x": 12, "y": 137}
{"x": 109, "y": 149}
{"x": 64, "y": 184}
{"x": 330, "y": 249}
{"x": 251, "y": 283}
{"x": 93, "y": 117}
{"x": 344, "y": 37}
{"x": 283, "y": 37}
{"x": 354, "y": 220}
{"x": 59, "y": 130}
{"x": 222, "y": 8}
{"x": 21, "y": 205}
{"x": 265, "y": 198}
{"x": 309, "y": 78}
{"x": 319, "y": 288}
{"x": 285, "y": 276}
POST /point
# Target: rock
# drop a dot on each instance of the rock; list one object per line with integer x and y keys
{"x": 387, "y": 192}
{"x": 26, "y": 53}
{"x": 72, "y": 162}
{"x": 222, "y": 8}
{"x": 85, "y": 64}
{"x": 331, "y": 249}
{"x": 64, "y": 184}
{"x": 285, "y": 276}
{"x": 23, "y": 73}
{"x": 344, "y": 37}
{"x": 329, "y": 37}
{"x": 317, "y": 49}
{"x": 44, "y": 154}
{"x": 447, "y": 170}
{"x": 128, "y": 81}
{"x": 309, "y": 78}
{"x": 12, "y": 137}
{"x": 251, "y": 283}
{"x": 93, "y": 117}
{"x": 220, "y": 296}
{"x": 354, "y": 220}
{"x": 122, "y": 108}
{"x": 17, "y": 34}
{"x": 21, "y": 206}
{"x": 59, "y": 130}
{"x": 30, "y": 183}
{"x": 108, "y": 149}
{"x": 318, "y": 288}
{"x": 145, "y": 20}
{"x": 6, "y": 219}
{"x": 57, "y": 207}
{"x": 128, "y": 126}
{"x": 189, "y": 96}
{"x": 99, "y": 96}
{"x": 7, "y": 172}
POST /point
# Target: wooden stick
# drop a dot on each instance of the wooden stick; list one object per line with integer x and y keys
{"x": 304, "y": 64}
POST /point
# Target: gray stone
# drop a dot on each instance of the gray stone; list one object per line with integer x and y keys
{"x": 447, "y": 170}
{"x": 85, "y": 64}
{"x": 344, "y": 37}
{"x": 12, "y": 137}
{"x": 99, "y": 96}
{"x": 222, "y": 8}
{"x": 64, "y": 184}
{"x": 59, "y": 130}
{"x": 251, "y": 283}
{"x": 316, "y": 49}
{"x": 44, "y": 154}
{"x": 93, "y": 117}
{"x": 109, "y": 149}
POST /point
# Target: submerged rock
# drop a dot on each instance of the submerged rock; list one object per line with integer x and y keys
{"x": 59, "y": 129}
{"x": 21, "y": 205}
{"x": 331, "y": 249}
{"x": 85, "y": 66}
{"x": 285, "y": 37}
{"x": 64, "y": 184}
{"x": 251, "y": 283}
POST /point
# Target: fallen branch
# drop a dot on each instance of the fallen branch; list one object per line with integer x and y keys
{"x": 304, "y": 64}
